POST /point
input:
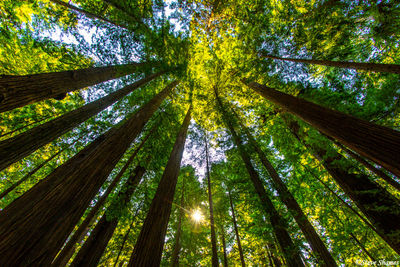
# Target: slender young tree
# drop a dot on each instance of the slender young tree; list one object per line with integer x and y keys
{"x": 214, "y": 259}
{"x": 35, "y": 226}
{"x": 378, "y": 205}
{"x": 377, "y": 67}
{"x": 235, "y": 227}
{"x": 88, "y": 14}
{"x": 69, "y": 248}
{"x": 34, "y": 170}
{"x": 377, "y": 143}
{"x": 319, "y": 248}
{"x": 17, "y": 91}
{"x": 279, "y": 225}
{"x": 93, "y": 249}
{"x": 370, "y": 167}
{"x": 149, "y": 245}
{"x": 22, "y": 145}
{"x": 362, "y": 247}
{"x": 177, "y": 242}
{"x": 224, "y": 246}
{"x": 29, "y": 124}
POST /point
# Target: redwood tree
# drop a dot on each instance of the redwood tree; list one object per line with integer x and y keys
{"x": 17, "y": 91}
{"x": 235, "y": 227}
{"x": 22, "y": 145}
{"x": 55, "y": 205}
{"x": 377, "y": 143}
{"x": 149, "y": 244}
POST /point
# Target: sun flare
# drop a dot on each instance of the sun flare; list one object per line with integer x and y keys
{"x": 197, "y": 216}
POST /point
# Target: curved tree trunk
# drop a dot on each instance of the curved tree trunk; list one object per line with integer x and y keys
{"x": 69, "y": 249}
{"x": 376, "y": 67}
{"x": 319, "y": 248}
{"x": 214, "y": 259}
{"x": 375, "y": 142}
{"x": 93, "y": 249}
{"x": 149, "y": 245}
{"x": 34, "y": 227}
{"x": 378, "y": 205}
{"x": 236, "y": 231}
{"x": 17, "y": 91}
{"x": 22, "y": 145}
{"x": 87, "y": 13}
{"x": 279, "y": 225}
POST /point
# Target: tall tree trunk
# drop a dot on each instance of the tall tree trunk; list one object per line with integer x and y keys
{"x": 177, "y": 245}
{"x": 29, "y": 124}
{"x": 375, "y": 142}
{"x": 69, "y": 249}
{"x": 17, "y": 91}
{"x": 126, "y": 236}
{"x": 370, "y": 167}
{"x": 34, "y": 170}
{"x": 214, "y": 259}
{"x": 378, "y": 205}
{"x": 87, "y": 13}
{"x": 362, "y": 247}
{"x": 376, "y": 67}
{"x": 236, "y": 231}
{"x": 35, "y": 226}
{"x": 319, "y": 248}
{"x": 149, "y": 245}
{"x": 279, "y": 225}
{"x": 22, "y": 145}
{"x": 224, "y": 246}
{"x": 93, "y": 249}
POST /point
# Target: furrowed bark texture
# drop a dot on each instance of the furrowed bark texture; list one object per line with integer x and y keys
{"x": 22, "y": 145}
{"x": 35, "y": 226}
{"x": 236, "y": 231}
{"x": 376, "y": 67}
{"x": 375, "y": 142}
{"x": 378, "y": 205}
{"x": 318, "y": 247}
{"x": 149, "y": 245}
{"x": 214, "y": 259}
{"x": 177, "y": 242}
{"x": 93, "y": 249}
{"x": 290, "y": 251}
{"x": 17, "y": 91}
{"x": 69, "y": 249}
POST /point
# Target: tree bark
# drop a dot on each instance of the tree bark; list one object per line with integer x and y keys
{"x": 236, "y": 231}
{"x": 22, "y": 145}
{"x": 378, "y": 205}
{"x": 375, "y": 142}
{"x": 370, "y": 167}
{"x": 93, "y": 249}
{"x": 224, "y": 246}
{"x": 149, "y": 245}
{"x": 177, "y": 245}
{"x": 69, "y": 249}
{"x": 33, "y": 171}
{"x": 279, "y": 225}
{"x": 214, "y": 259}
{"x": 35, "y": 226}
{"x": 319, "y": 248}
{"x": 376, "y": 67}
{"x": 17, "y": 91}
{"x": 87, "y": 13}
